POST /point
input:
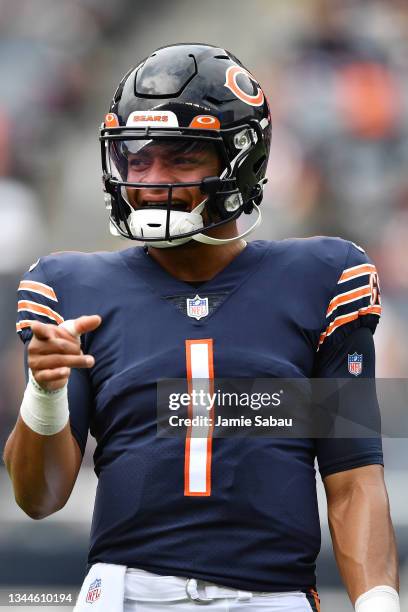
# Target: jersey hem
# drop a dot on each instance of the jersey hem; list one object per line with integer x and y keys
{"x": 220, "y": 581}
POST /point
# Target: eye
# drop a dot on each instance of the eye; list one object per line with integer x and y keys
{"x": 138, "y": 162}
{"x": 185, "y": 160}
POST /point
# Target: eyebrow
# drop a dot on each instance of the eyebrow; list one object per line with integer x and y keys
{"x": 149, "y": 154}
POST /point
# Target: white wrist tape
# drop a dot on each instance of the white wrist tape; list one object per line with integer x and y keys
{"x": 45, "y": 412}
{"x": 379, "y": 599}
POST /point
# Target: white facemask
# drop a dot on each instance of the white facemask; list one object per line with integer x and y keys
{"x": 152, "y": 224}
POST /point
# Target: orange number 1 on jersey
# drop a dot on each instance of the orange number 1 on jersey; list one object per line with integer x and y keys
{"x": 200, "y": 377}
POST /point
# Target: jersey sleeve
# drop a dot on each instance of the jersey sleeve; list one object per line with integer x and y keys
{"x": 339, "y": 454}
{"x": 355, "y": 301}
{"x": 38, "y": 300}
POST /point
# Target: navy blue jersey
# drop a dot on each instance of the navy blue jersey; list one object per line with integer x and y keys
{"x": 281, "y": 309}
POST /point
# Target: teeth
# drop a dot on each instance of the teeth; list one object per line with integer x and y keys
{"x": 164, "y": 203}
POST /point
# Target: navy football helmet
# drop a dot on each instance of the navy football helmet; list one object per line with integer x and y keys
{"x": 186, "y": 97}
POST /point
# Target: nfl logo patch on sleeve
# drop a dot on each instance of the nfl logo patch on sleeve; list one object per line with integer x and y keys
{"x": 94, "y": 591}
{"x": 355, "y": 364}
{"x": 197, "y": 307}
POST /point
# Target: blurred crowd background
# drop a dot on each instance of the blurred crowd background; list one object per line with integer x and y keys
{"x": 335, "y": 74}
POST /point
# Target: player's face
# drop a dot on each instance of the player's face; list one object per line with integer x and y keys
{"x": 171, "y": 163}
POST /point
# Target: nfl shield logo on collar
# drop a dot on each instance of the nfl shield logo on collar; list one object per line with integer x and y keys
{"x": 355, "y": 364}
{"x": 197, "y": 307}
{"x": 94, "y": 591}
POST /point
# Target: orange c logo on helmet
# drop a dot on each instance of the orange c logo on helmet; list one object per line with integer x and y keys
{"x": 111, "y": 120}
{"x": 205, "y": 122}
{"x": 231, "y": 82}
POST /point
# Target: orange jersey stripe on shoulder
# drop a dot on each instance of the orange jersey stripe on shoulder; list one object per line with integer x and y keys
{"x": 39, "y": 288}
{"x": 356, "y": 271}
{"x": 45, "y": 311}
{"x": 347, "y": 297}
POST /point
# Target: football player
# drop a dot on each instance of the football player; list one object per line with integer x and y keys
{"x": 229, "y": 522}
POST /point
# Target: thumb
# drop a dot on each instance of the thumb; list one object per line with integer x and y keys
{"x": 81, "y": 325}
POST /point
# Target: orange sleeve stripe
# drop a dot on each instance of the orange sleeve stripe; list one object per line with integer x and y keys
{"x": 39, "y": 288}
{"x": 356, "y": 271}
{"x": 22, "y": 324}
{"x": 348, "y": 296}
{"x": 343, "y": 319}
{"x": 40, "y": 309}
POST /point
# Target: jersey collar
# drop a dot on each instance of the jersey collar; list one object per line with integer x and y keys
{"x": 228, "y": 279}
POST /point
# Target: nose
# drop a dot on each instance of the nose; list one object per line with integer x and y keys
{"x": 158, "y": 171}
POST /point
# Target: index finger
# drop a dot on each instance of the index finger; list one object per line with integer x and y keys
{"x": 41, "y": 331}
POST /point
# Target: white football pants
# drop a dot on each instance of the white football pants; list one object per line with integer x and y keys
{"x": 147, "y": 592}
{"x": 116, "y": 588}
